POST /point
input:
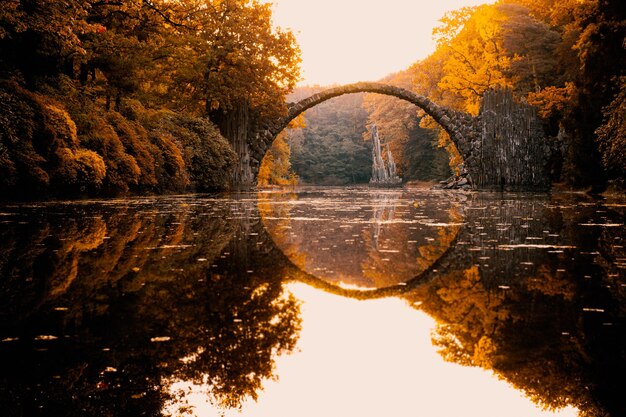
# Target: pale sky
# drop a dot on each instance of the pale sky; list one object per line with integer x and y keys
{"x": 345, "y": 41}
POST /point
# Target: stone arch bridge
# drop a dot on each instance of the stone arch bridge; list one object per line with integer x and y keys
{"x": 503, "y": 147}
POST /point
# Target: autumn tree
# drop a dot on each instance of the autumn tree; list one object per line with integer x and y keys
{"x": 565, "y": 57}
{"x": 414, "y": 148}
{"x": 41, "y": 38}
{"x": 426, "y": 76}
{"x": 476, "y": 61}
{"x": 276, "y": 166}
{"x": 88, "y": 79}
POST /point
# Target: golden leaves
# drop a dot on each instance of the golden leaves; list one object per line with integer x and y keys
{"x": 552, "y": 100}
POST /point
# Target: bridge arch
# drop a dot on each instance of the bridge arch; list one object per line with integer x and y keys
{"x": 449, "y": 120}
{"x": 503, "y": 147}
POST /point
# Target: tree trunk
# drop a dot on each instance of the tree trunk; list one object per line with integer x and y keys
{"x": 236, "y": 126}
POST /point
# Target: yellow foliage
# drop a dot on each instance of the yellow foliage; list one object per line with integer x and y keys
{"x": 122, "y": 170}
{"x": 248, "y": 59}
{"x": 484, "y": 352}
{"x": 93, "y": 236}
{"x": 265, "y": 171}
{"x": 78, "y": 168}
{"x": 60, "y": 124}
{"x": 553, "y": 100}
{"x": 477, "y": 61}
{"x": 444, "y": 142}
{"x": 135, "y": 140}
{"x": 469, "y": 303}
{"x": 276, "y": 166}
{"x": 94, "y": 162}
{"x": 298, "y": 123}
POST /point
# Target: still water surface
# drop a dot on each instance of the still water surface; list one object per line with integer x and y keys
{"x": 330, "y": 302}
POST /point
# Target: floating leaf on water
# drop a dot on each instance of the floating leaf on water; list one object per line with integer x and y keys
{"x": 10, "y": 339}
{"x": 160, "y": 339}
{"x": 535, "y": 246}
{"x": 61, "y": 308}
{"x": 45, "y": 337}
{"x": 135, "y": 269}
{"x": 602, "y": 224}
{"x": 202, "y": 259}
{"x": 593, "y": 310}
{"x": 109, "y": 369}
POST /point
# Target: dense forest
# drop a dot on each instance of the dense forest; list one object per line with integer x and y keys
{"x": 132, "y": 96}
{"x": 152, "y": 96}
{"x": 327, "y": 146}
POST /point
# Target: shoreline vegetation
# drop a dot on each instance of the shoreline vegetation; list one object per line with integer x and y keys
{"x": 106, "y": 99}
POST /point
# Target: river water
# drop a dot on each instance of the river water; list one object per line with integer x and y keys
{"x": 334, "y": 302}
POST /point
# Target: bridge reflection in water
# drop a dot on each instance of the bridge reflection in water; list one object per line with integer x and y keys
{"x": 116, "y": 307}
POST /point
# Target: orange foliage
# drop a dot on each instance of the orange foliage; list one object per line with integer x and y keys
{"x": 276, "y": 165}
{"x": 552, "y": 100}
{"x": 41, "y": 148}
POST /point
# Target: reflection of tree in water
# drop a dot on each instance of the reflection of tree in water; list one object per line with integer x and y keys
{"x": 548, "y": 324}
{"x": 531, "y": 294}
{"x": 551, "y": 326}
{"x": 128, "y": 294}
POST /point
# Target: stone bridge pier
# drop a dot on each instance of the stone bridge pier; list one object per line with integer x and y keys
{"x": 504, "y": 147}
